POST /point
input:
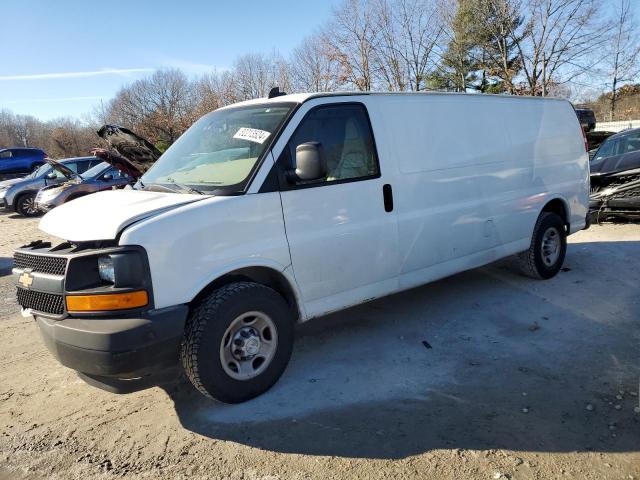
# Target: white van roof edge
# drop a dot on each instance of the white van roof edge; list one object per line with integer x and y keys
{"x": 303, "y": 97}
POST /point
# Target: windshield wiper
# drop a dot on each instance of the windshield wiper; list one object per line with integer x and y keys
{"x": 175, "y": 187}
{"x": 186, "y": 188}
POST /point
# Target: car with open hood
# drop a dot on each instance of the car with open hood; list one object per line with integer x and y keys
{"x": 19, "y": 194}
{"x": 102, "y": 176}
{"x": 129, "y": 157}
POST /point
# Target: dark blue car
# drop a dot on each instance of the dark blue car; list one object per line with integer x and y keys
{"x": 20, "y": 160}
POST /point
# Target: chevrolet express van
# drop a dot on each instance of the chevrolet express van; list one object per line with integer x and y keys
{"x": 275, "y": 211}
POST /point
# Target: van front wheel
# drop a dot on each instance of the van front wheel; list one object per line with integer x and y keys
{"x": 237, "y": 342}
{"x": 548, "y": 247}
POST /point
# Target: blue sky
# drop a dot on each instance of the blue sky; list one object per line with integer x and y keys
{"x": 60, "y": 58}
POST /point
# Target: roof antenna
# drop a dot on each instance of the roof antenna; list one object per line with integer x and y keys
{"x": 275, "y": 92}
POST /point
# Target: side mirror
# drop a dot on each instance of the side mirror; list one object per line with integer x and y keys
{"x": 311, "y": 163}
{"x": 51, "y": 176}
{"x": 107, "y": 177}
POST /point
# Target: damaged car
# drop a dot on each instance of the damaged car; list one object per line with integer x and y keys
{"x": 615, "y": 178}
{"x": 619, "y": 200}
{"x": 19, "y": 194}
{"x": 128, "y": 158}
{"x": 101, "y": 177}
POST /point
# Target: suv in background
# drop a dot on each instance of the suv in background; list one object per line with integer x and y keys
{"x": 19, "y": 194}
{"x": 587, "y": 118}
{"x": 20, "y": 160}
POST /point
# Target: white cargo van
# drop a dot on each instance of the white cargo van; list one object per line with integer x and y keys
{"x": 274, "y": 211}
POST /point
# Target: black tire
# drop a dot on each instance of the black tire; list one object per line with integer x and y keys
{"x": 533, "y": 262}
{"x": 206, "y": 327}
{"x": 25, "y": 205}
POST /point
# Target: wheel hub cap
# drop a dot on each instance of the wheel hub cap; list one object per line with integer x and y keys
{"x": 248, "y": 345}
{"x": 550, "y": 246}
{"x": 30, "y": 205}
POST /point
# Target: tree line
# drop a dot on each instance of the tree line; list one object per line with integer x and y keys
{"x": 517, "y": 47}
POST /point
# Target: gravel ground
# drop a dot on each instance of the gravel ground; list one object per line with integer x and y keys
{"x": 482, "y": 375}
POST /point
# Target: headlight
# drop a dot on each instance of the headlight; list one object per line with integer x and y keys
{"x": 105, "y": 269}
{"x": 49, "y": 193}
{"x": 3, "y": 192}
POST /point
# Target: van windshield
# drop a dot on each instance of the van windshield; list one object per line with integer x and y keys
{"x": 220, "y": 151}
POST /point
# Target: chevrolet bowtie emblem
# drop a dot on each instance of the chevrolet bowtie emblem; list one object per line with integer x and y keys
{"x": 26, "y": 280}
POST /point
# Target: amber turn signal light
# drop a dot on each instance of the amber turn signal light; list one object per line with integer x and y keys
{"x": 109, "y": 301}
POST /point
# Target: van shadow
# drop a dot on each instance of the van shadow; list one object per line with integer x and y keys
{"x": 483, "y": 360}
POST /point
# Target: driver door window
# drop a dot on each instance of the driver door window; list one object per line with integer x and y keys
{"x": 344, "y": 132}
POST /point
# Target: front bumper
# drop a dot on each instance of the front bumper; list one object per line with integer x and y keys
{"x": 44, "y": 207}
{"x": 118, "y": 354}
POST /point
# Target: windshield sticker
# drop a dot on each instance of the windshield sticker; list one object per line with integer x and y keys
{"x": 252, "y": 135}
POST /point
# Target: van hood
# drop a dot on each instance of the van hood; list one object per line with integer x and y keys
{"x": 102, "y": 215}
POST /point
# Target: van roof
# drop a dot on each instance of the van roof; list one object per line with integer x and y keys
{"x": 303, "y": 97}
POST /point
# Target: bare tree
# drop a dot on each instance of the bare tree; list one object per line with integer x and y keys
{"x": 312, "y": 67}
{"x": 159, "y": 107}
{"x": 563, "y": 37}
{"x": 352, "y": 41}
{"x": 410, "y": 32}
{"x": 255, "y": 74}
{"x": 622, "y": 57}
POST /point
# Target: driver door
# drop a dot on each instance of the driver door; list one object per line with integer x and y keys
{"x": 342, "y": 235}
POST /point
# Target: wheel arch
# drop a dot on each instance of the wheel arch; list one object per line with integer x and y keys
{"x": 19, "y": 195}
{"x": 278, "y": 280}
{"x": 560, "y": 207}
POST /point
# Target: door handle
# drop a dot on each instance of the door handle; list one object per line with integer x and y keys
{"x": 387, "y": 194}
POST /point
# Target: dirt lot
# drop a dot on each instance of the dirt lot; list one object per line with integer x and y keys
{"x": 483, "y": 375}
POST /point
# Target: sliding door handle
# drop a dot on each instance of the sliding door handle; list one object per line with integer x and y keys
{"x": 387, "y": 194}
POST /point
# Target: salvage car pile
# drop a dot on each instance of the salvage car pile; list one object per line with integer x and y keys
{"x": 57, "y": 182}
{"x": 615, "y": 178}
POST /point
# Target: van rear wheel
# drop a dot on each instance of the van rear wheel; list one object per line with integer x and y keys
{"x": 237, "y": 342}
{"x": 548, "y": 247}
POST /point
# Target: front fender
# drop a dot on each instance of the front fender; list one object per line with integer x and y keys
{"x": 192, "y": 245}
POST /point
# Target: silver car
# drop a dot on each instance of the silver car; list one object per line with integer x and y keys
{"x": 101, "y": 177}
{"x": 19, "y": 194}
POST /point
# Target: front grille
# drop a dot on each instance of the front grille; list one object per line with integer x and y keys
{"x": 41, "y": 301}
{"x": 40, "y": 263}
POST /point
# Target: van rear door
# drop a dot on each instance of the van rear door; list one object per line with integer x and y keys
{"x": 342, "y": 234}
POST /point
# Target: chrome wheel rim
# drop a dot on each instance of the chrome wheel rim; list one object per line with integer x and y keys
{"x": 29, "y": 205}
{"x": 248, "y": 345}
{"x": 550, "y": 247}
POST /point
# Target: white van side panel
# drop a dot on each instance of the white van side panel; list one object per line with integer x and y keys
{"x": 191, "y": 246}
{"x": 474, "y": 174}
